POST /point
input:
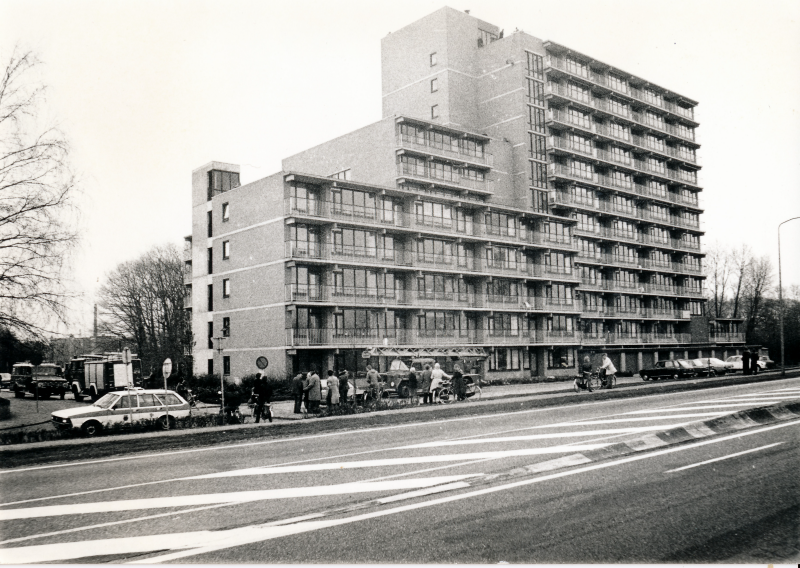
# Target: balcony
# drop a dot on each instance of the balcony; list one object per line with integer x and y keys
{"x": 297, "y": 250}
{"x": 187, "y": 273}
{"x": 562, "y": 117}
{"x": 421, "y": 144}
{"x": 621, "y": 135}
{"x": 337, "y": 211}
{"x": 644, "y": 97}
{"x": 727, "y": 337}
{"x": 448, "y": 179}
{"x": 556, "y": 142}
{"x": 685, "y": 245}
{"x": 687, "y": 113}
{"x": 303, "y": 293}
{"x": 572, "y": 95}
{"x": 687, "y": 292}
{"x": 615, "y": 158}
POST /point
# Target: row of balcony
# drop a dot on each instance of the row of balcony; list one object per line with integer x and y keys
{"x": 639, "y": 213}
{"x": 621, "y": 158}
{"x": 459, "y": 227}
{"x": 394, "y": 337}
{"x": 450, "y": 179}
{"x": 635, "y": 238}
{"x": 639, "y": 263}
{"x": 634, "y": 313}
{"x": 590, "y": 126}
{"x": 373, "y": 255}
{"x": 625, "y": 183}
{"x": 639, "y": 287}
{"x": 457, "y": 153}
{"x": 299, "y": 293}
{"x": 621, "y": 87}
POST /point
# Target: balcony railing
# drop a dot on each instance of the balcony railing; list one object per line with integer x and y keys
{"x": 727, "y": 337}
{"x": 680, "y": 111}
{"x": 421, "y": 144}
{"x": 575, "y": 95}
{"x": 558, "y": 115}
{"x": 566, "y": 144}
{"x": 447, "y": 178}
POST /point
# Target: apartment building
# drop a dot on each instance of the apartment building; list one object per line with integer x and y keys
{"x": 519, "y": 205}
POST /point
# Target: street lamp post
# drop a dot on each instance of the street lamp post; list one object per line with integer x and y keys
{"x": 780, "y": 294}
{"x": 220, "y": 349}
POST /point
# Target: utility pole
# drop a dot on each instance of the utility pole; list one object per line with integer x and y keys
{"x": 780, "y": 294}
{"x": 219, "y": 350}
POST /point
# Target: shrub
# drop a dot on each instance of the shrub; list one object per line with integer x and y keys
{"x": 5, "y": 409}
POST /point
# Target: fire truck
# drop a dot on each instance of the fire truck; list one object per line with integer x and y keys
{"x": 96, "y": 375}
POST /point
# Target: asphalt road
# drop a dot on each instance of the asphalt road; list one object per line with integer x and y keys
{"x": 434, "y": 492}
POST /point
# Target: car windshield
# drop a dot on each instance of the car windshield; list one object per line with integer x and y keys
{"x": 699, "y": 362}
{"x": 685, "y": 364}
{"x": 46, "y": 371}
{"x": 106, "y": 401}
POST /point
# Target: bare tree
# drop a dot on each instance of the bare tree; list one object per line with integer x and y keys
{"x": 144, "y": 300}
{"x": 718, "y": 271}
{"x": 741, "y": 260}
{"x": 36, "y": 211}
{"x": 757, "y": 285}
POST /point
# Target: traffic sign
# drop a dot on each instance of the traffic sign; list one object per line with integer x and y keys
{"x": 166, "y": 369}
{"x": 126, "y": 356}
{"x": 262, "y": 363}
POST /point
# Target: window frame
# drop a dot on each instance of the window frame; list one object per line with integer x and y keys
{"x": 226, "y": 287}
{"x": 226, "y": 250}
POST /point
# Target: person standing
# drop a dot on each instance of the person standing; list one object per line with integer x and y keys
{"x": 586, "y": 370}
{"x": 297, "y": 392}
{"x": 754, "y": 363}
{"x": 263, "y": 390}
{"x": 329, "y": 396}
{"x": 373, "y": 382}
{"x": 412, "y": 384}
{"x": 344, "y": 386}
{"x": 437, "y": 376}
{"x": 426, "y": 385}
{"x": 608, "y": 369}
{"x": 459, "y": 386}
{"x": 313, "y": 391}
{"x": 746, "y": 362}
{"x": 333, "y": 391}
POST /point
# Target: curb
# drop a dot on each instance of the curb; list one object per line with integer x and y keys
{"x": 741, "y": 420}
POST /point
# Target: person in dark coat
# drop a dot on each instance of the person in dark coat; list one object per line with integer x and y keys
{"x": 313, "y": 391}
{"x": 459, "y": 386}
{"x": 413, "y": 385}
{"x": 344, "y": 386}
{"x": 754, "y": 363}
{"x": 297, "y": 392}
{"x": 746, "y": 362}
{"x": 426, "y": 385}
{"x": 263, "y": 391}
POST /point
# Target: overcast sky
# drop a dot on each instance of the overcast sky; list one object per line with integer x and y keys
{"x": 149, "y": 90}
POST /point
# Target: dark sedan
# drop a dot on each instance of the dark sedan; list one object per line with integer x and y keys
{"x": 669, "y": 369}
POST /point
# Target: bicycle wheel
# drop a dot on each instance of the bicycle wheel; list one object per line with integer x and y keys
{"x": 446, "y": 396}
{"x": 595, "y": 383}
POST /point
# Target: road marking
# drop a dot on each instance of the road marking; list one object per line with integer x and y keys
{"x": 685, "y": 409}
{"x": 231, "y": 497}
{"x": 579, "y": 434}
{"x": 393, "y": 462}
{"x": 201, "y": 542}
{"x": 723, "y": 458}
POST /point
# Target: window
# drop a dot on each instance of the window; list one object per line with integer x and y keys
{"x": 434, "y": 85}
{"x": 210, "y": 368}
{"x": 210, "y": 259}
{"x": 211, "y": 335}
{"x": 537, "y": 150}
{"x": 507, "y": 359}
{"x": 535, "y": 92}
{"x": 535, "y": 66}
{"x": 539, "y": 175}
{"x": 539, "y": 201}
{"x": 209, "y": 222}
{"x": 344, "y": 174}
{"x": 581, "y": 169}
{"x": 435, "y": 111}
{"x": 226, "y": 250}
{"x": 226, "y": 288}
{"x": 433, "y": 59}
{"x": 486, "y": 37}
{"x": 226, "y": 212}
{"x": 560, "y": 357}
{"x": 226, "y": 365}
{"x": 226, "y": 327}
{"x": 219, "y": 181}
{"x": 210, "y": 297}
{"x": 536, "y": 119}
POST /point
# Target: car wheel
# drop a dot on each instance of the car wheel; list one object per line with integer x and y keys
{"x": 162, "y": 423}
{"x": 44, "y": 395}
{"x": 675, "y": 377}
{"x": 19, "y": 394}
{"x": 404, "y": 391}
{"x": 92, "y": 428}
{"x": 63, "y": 394}
{"x": 645, "y": 377}
{"x": 77, "y": 396}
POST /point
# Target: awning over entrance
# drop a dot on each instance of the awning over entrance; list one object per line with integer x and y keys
{"x": 461, "y": 352}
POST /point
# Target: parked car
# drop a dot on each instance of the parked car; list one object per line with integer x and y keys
{"x": 5, "y": 380}
{"x": 736, "y": 363}
{"x": 710, "y": 366}
{"x": 669, "y": 369}
{"x": 39, "y": 380}
{"x": 768, "y": 363}
{"x": 118, "y": 407}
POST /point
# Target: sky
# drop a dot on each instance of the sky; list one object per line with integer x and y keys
{"x": 146, "y": 91}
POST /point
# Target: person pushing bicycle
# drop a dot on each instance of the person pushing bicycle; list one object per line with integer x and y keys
{"x": 607, "y": 371}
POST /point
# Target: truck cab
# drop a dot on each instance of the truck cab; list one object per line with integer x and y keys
{"x": 42, "y": 380}
{"x": 96, "y": 375}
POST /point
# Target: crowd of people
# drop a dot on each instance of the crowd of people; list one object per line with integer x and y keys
{"x": 423, "y": 387}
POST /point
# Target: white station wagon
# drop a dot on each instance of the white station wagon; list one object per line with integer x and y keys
{"x": 118, "y": 407}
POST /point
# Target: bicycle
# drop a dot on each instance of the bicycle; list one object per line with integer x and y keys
{"x": 252, "y": 404}
{"x": 591, "y": 383}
